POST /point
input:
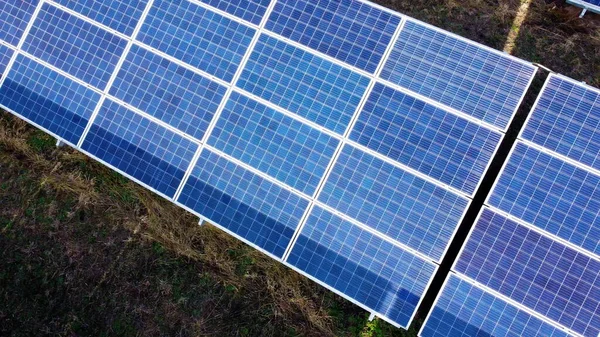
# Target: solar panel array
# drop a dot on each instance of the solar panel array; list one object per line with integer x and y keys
{"x": 591, "y": 5}
{"x": 338, "y": 137}
{"x": 532, "y": 260}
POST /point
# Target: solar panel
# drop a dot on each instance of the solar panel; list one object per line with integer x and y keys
{"x": 591, "y": 5}
{"x": 535, "y": 244}
{"x": 292, "y": 133}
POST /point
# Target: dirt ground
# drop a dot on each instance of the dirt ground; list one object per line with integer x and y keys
{"x": 85, "y": 252}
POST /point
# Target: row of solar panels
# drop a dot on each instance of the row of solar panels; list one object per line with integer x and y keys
{"x": 531, "y": 264}
{"x": 338, "y": 137}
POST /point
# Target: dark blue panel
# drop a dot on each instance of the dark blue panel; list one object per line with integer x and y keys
{"x": 249, "y": 10}
{"x": 74, "y": 46}
{"x": 48, "y": 99}
{"x": 395, "y": 202}
{"x": 364, "y": 267}
{"x": 14, "y": 16}
{"x": 139, "y": 147}
{"x": 461, "y": 74}
{"x": 199, "y": 37}
{"x": 243, "y": 202}
{"x": 167, "y": 91}
{"x": 464, "y": 310}
{"x": 121, "y": 16}
{"x": 425, "y": 138}
{"x": 280, "y": 146}
{"x": 551, "y": 194}
{"x": 593, "y": 2}
{"x": 355, "y": 32}
{"x": 303, "y": 83}
{"x": 534, "y": 270}
{"x": 5, "y": 55}
{"x": 567, "y": 120}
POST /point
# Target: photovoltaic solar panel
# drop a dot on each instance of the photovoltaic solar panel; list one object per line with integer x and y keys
{"x": 457, "y": 73}
{"x": 425, "y": 138}
{"x": 303, "y": 83}
{"x": 177, "y": 96}
{"x": 465, "y": 310}
{"x": 121, "y": 16}
{"x": 536, "y": 243}
{"x": 6, "y": 54}
{"x": 361, "y": 265}
{"x": 292, "y": 152}
{"x": 74, "y": 46}
{"x": 283, "y": 123}
{"x": 351, "y": 31}
{"x": 14, "y": 16}
{"x": 213, "y": 43}
{"x": 67, "y": 106}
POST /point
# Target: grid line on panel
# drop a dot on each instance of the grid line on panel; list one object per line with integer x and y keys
{"x": 550, "y": 193}
{"x": 119, "y": 16}
{"x": 534, "y": 270}
{"x": 228, "y": 93}
{"x": 170, "y": 92}
{"x": 38, "y": 8}
{"x": 140, "y": 147}
{"x": 16, "y": 16}
{"x": 115, "y": 72}
{"x": 362, "y": 266}
{"x": 214, "y": 43}
{"x": 463, "y": 308}
{"x": 292, "y": 152}
{"x": 74, "y": 45}
{"x": 352, "y": 32}
{"x": 566, "y": 120}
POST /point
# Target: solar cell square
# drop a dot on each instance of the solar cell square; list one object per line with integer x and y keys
{"x": 394, "y": 202}
{"x": 74, "y": 46}
{"x": 464, "y": 310}
{"x": 551, "y": 194}
{"x": 15, "y": 15}
{"x": 197, "y": 36}
{"x": 273, "y": 143}
{"x": 303, "y": 83}
{"x": 5, "y": 56}
{"x": 567, "y": 120}
{"x": 428, "y": 139}
{"x": 242, "y": 202}
{"x": 139, "y": 147}
{"x": 354, "y": 32}
{"x": 457, "y": 73}
{"x": 167, "y": 91}
{"x": 121, "y": 16}
{"x": 362, "y": 266}
{"x": 249, "y": 10}
{"x": 542, "y": 274}
{"x": 48, "y": 99}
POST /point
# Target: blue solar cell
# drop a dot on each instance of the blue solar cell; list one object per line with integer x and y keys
{"x": 394, "y": 202}
{"x": 360, "y": 265}
{"x": 534, "y": 270}
{"x": 303, "y": 83}
{"x": 551, "y": 194}
{"x": 593, "y": 2}
{"x": 464, "y": 310}
{"x": 460, "y": 74}
{"x": 74, "y": 46}
{"x": 425, "y": 138}
{"x": 243, "y": 202}
{"x": 280, "y": 146}
{"x": 167, "y": 91}
{"x": 139, "y": 147}
{"x": 249, "y": 10}
{"x": 567, "y": 120}
{"x": 15, "y": 15}
{"x": 121, "y": 16}
{"x": 197, "y": 36}
{"x": 5, "y": 56}
{"x": 52, "y": 101}
{"x": 355, "y": 32}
